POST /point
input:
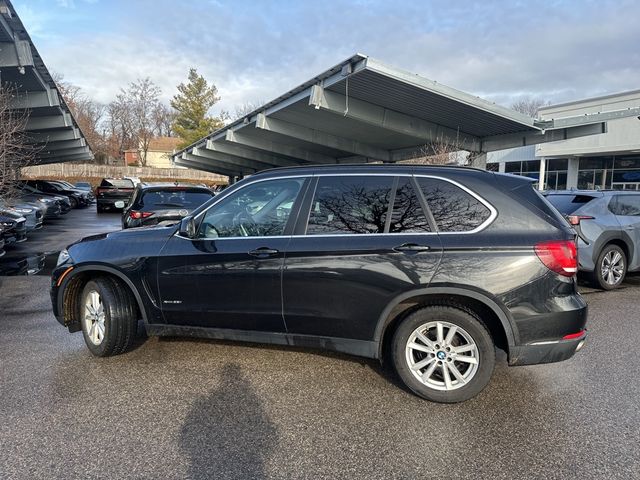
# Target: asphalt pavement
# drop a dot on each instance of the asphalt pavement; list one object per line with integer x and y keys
{"x": 185, "y": 408}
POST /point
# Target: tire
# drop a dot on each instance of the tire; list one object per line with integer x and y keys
{"x": 611, "y": 268}
{"x": 113, "y": 328}
{"x": 470, "y": 334}
{"x": 74, "y": 202}
{"x": 99, "y": 209}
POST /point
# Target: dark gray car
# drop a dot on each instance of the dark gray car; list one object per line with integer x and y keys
{"x": 608, "y": 227}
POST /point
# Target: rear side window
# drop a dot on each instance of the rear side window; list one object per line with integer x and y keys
{"x": 628, "y": 205}
{"x": 350, "y": 205}
{"x": 173, "y": 198}
{"x": 115, "y": 182}
{"x": 567, "y": 204}
{"x": 454, "y": 209}
{"x": 407, "y": 215}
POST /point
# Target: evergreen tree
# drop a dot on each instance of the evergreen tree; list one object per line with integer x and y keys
{"x": 192, "y": 103}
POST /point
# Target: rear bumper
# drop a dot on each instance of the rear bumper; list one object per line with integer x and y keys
{"x": 546, "y": 352}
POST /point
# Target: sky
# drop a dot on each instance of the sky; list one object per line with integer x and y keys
{"x": 254, "y": 51}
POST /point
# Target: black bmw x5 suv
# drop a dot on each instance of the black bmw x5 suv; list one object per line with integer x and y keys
{"x": 431, "y": 268}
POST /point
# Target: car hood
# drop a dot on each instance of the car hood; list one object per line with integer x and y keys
{"x": 122, "y": 246}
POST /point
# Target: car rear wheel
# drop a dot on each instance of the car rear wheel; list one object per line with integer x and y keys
{"x": 108, "y": 317}
{"x": 443, "y": 353}
{"x": 611, "y": 267}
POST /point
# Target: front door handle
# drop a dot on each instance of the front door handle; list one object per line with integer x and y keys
{"x": 264, "y": 252}
{"x": 412, "y": 247}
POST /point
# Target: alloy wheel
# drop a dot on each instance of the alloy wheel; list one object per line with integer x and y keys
{"x": 442, "y": 355}
{"x": 612, "y": 267}
{"x": 94, "y": 318}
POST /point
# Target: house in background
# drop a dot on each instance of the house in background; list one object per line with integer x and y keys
{"x": 158, "y": 155}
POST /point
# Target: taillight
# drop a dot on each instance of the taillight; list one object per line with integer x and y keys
{"x": 559, "y": 256}
{"x": 138, "y": 215}
{"x": 575, "y": 219}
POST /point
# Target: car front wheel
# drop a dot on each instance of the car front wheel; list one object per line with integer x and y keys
{"x": 443, "y": 353}
{"x": 108, "y": 317}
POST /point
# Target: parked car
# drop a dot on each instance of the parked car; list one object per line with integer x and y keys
{"x": 32, "y": 215}
{"x": 428, "y": 267}
{"x": 15, "y": 228}
{"x": 87, "y": 187}
{"x": 112, "y": 190}
{"x": 608, "y": 228}
{"x": 62, "y": 201}
{"x": 47, "y": 205}
{"x": 78, "y": 198}
{"x": 152, "y": 204}
{"x": 71, "y": 186}
{"x": 29, "y": 265}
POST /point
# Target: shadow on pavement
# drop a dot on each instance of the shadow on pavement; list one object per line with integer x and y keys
{"x": 227, "y": 434}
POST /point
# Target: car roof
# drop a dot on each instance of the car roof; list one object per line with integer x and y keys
{"x": 391, "y": 168}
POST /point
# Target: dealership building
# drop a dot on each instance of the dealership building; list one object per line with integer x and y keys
{"x": 609, "y": 160}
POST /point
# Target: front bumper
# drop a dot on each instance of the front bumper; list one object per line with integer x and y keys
{"x": 546, "y": 352}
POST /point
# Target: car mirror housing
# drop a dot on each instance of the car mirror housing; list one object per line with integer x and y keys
{"x": 187, "y": 227}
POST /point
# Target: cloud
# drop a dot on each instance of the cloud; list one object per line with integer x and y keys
{"x": 259, "y": 50}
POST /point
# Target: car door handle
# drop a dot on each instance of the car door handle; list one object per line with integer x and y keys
{"x": 264, "y": 252}
{"x": 412, "y": 247}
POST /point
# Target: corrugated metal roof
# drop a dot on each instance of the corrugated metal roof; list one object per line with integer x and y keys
{"x": 362, "y": 110}
{"x": 22, "y": 68}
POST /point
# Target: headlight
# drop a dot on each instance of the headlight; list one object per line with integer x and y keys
{"x": 6, "y": 224}
{"x": 22, "y": 210}
{"x": 43, "y": 200}
{"x": 63, "y": 257}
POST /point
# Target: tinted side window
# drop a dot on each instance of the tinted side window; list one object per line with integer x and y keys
{"x": 407, "y": 214}
{"x": 258, "y": 210}
{"x": 628, "y": 205}
{"x": 453, "y": 209}
{"x": 350, "y": 205}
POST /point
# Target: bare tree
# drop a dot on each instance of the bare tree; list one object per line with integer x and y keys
{"x": 441, "y": 151}
{"x": 245, "y": 109}
{"x": 15, "y": 150}
{"x": 164, "y": 116}
{"x": 89, "y": 115}
{"x": 132, "y": 116}
{"x": 529, "y": 106}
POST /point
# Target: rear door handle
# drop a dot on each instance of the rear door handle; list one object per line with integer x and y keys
{"x": 264, "y": 252}
{"x": 412, "y": 247}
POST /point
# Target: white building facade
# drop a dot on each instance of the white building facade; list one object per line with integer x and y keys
{"x": 610, "y": 160}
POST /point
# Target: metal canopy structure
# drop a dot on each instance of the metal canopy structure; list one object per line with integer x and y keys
{"x": 364, "y": 111}
{"x": 51, "y": 129}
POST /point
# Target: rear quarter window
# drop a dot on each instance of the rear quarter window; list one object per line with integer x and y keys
{"x": 454, "y": 209}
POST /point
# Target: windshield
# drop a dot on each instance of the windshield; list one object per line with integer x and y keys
{"x": 174, "y": 198}
{"x": 567, "y": 204}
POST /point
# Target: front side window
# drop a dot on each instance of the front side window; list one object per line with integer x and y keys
{"x": 627, "y": 205}
{"x": 261, "y": 209}
{"x": 454, "y": 209}
{"x": 350, "y": 205}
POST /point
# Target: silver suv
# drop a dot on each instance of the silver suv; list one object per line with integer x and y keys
{"x": 608, "y": 227}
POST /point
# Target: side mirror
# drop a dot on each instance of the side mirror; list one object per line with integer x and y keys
{"x": 187, "y": 227}
{"x": 119, "y": 204}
